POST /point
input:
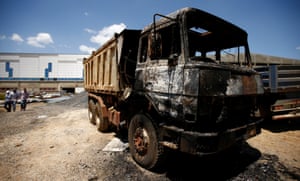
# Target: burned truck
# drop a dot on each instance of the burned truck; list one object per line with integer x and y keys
{"x": 167, "y": 88}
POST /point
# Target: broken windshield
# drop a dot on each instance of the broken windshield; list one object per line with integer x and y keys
{"x": 209, "y": 46}
{"x": 213, "y": 39}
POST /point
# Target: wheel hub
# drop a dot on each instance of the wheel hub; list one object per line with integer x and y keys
{"x": 141, "y": 140}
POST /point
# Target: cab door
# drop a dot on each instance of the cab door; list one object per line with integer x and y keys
{"x": 161, "y": 71}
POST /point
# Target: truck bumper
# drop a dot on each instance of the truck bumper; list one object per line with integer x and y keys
{"x": 287, "y": 114}
{"x": 210, "y": 143}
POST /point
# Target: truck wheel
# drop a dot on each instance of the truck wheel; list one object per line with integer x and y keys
{"x": 101, "y": 122}
{"x": 144, "y": 144}
{"x": 91, "y": 111}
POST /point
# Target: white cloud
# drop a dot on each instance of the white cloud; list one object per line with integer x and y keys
{"x": 40, "y": 40}
{"x": 16, "y": 37}
{"x": 86, "y": 13}
{"x": 298, "y": 48}
{"x": 86, "y": 49}
{"x": 107, "y": 32}
{"x": 101, "y": 36}
{"x": 91, "y": 31}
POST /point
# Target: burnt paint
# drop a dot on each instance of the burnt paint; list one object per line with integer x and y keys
{"x": 174, "y": 91}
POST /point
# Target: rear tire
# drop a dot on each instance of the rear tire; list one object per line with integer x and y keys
{"x": 144, "y": 143}
{"x": 91, "y": 111}
{"x": 102, "y": 123}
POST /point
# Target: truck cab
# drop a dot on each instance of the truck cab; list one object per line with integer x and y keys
{"x": 200, "y": 104}
{"x": 180, "y": 70}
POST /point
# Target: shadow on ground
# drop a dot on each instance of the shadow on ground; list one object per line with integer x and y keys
{"x": 223, "y": 166}
{"x": 281, "y": 125}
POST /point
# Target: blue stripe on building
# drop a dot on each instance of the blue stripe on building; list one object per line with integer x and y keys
{"x": 48, "y": 69}
{"x": 9, "y": 69}
{"x": 39, "y": 79}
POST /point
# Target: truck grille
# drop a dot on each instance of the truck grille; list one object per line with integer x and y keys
{"x": 225, "y": 113}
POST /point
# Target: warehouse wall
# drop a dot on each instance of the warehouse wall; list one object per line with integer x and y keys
{"x": 41, "y": 71}
{"x": 41, "y": 66}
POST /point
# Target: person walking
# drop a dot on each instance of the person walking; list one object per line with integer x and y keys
{"x": 24, "y": 97}
{"x": 7, "y": 104}
{"x": 14, "y": 99}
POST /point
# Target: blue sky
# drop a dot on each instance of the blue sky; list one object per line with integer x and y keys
{"x": 79, "y": 26}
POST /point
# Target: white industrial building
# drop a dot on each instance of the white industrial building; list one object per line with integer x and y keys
{"x": 64, "y": 72}
{"x": 41, "y": 72}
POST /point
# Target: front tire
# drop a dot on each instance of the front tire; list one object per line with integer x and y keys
{"x": 144, "y": 143}
{"x": 102, "y": 122}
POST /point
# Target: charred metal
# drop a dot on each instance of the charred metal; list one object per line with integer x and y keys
{"x": 169, "y": 84}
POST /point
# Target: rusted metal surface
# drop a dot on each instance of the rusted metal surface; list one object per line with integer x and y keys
{"x": 176, "y": 92}
{"x": 197, "y": 94}
{"x": 199, "y": 103}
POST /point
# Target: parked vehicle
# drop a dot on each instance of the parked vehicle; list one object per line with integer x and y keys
{"x": 282, "y": 91}
{"x": 166, "y": 86}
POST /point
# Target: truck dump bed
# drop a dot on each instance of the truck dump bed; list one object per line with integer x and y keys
{"x": 111, "y": 68}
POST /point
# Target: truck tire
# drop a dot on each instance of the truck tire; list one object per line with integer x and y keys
{"x": 102, "y": 123}
{"x": 144, "y": 143}
{"x": 91, "y": 111}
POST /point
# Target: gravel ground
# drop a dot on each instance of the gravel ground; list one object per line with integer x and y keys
{"x": 56, "y": 142}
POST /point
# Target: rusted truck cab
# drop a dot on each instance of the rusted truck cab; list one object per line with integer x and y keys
{"x": 200, "y": 104}
{"x": 167, "y": 86}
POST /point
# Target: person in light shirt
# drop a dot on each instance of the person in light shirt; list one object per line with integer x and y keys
{"x": 7, "y": 104}
{"x": 24, "y": 97}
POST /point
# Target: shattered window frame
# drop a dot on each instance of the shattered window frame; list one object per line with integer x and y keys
{"x": 209, "y": 38}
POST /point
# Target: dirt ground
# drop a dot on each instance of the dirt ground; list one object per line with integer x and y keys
{"x": 56, "y": 142}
